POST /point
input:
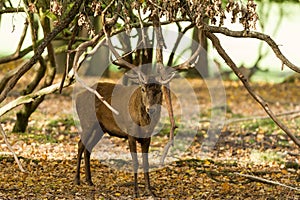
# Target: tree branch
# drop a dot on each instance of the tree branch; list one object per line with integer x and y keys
{"x": 32, "y": 96}
{"x": 257, "y": 35}
{"x": 17, "y": 55}
{"x": 40, "y": 49}
{"x": 178, "y": 40}
{"x": 11, "y": 10}
{"x": 255, "y": 178}
{"x": 11, "y": 149}
{"x": 216, "y": 43}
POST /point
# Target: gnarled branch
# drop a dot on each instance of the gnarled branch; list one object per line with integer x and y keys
{"x": 257, "y": 35}
{"x": 216, "y": 43}
{"x": 40, "y": 49}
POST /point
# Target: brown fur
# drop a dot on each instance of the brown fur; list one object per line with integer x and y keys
{"x": 139, "y": 112}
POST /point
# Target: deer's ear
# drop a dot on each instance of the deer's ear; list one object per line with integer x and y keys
{"x": 143, "y": 89}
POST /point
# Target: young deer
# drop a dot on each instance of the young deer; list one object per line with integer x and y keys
{"x": 139, "y": 111}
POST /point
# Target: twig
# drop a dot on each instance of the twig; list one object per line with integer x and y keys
{"x": 296, "y": 116}
{"x": 266, "y": 181}
{"x": 11, "y": 10}
{"x": 81, "y": 50}
{"x": 69, "y": 47}
{"x": 239, "y": 74}
{"x": 18, "y": 54}
{"x": 11, "y": 149}
{"x": 115, "y": 62}
{"x": 8, "y": 76}
{"x": 154, "y": 4}
{"x": 142, "y": 28}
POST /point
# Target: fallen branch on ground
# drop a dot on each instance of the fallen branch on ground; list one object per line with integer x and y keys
{"x": 294, "y": 114}
{"x": 255, "y": 178}
{"x": 11, "y": 149}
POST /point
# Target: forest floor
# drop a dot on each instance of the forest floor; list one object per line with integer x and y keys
{"x": 248, "y": 144}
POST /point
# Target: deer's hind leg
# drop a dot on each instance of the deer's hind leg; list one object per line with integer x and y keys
{"x": 86, "y": 144}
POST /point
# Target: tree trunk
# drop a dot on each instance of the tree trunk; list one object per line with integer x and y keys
{"x": 24, "y": 114}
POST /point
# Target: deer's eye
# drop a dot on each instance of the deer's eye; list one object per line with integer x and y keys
{"x": 143, "y": 89}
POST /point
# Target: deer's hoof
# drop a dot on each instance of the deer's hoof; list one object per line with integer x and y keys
{"x": 76, "y": 181}
{"x": 136, "y": 194}
{"x": 151, "y": 193}
{"x": 90, "y": 183}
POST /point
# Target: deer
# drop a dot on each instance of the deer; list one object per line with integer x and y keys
{"x": 139, "y": 108}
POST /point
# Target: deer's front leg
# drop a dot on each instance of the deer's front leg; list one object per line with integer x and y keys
{"x": 133, "y": 151}
{"x": 87, "y": 158}
{"x": 145, "y": 143}
{"x": 79, "y": 156}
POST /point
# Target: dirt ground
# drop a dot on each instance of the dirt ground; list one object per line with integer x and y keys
{"x": 248, "y": 144}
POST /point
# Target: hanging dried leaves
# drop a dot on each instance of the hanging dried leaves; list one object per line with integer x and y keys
{"x": 196, "y": 11}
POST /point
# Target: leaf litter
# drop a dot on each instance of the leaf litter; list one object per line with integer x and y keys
{"x": 254, "y": 147}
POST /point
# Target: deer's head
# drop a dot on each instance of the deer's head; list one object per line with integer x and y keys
{"x": 151, "y": 88}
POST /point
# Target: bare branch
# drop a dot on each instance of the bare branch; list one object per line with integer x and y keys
{"x": 33, "y": 96}
{"x": 69, "y": 47}
{"x": 40, "y": 49}
{"x": 11, "y": 10}
{"x": 239, "y": 74}
{"x": 291, "y": 114}
{"x": 142, "y": 29}
{"x": 160, "y": 40}
{"x": 238, "y": 120}
{"x": 257, "y": 35}
{"x": 165, "y": 87}
{"x": 81, "y": 49}
{"x": 255, "y": 178}
{"x": 11, "y": 149}
{"x": 154, "y": 4}
{"x": 8, "y": 76}
{"x": 17, "y": 55}
{"x": 22, "y": 37}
